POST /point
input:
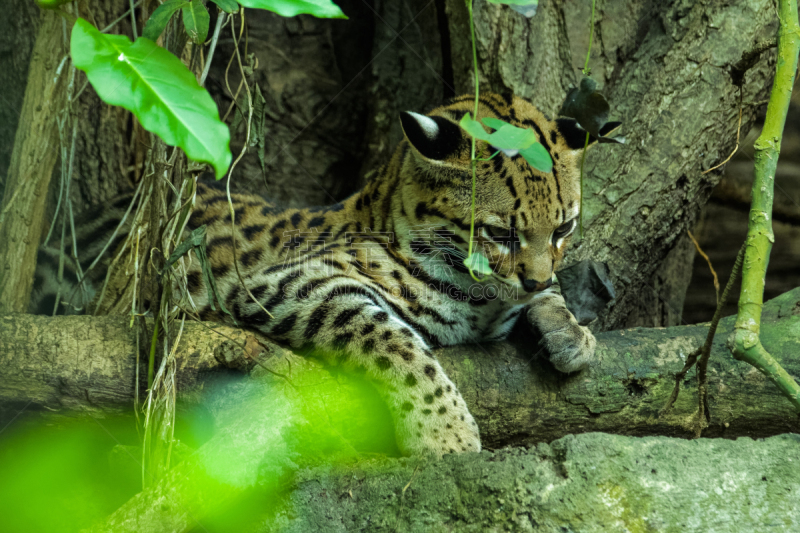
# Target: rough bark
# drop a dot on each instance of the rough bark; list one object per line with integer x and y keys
{"x": 83, "y": 363}
{"x": 17, "y": 36}
{"x": 22, "y": 211}
{"x": 333, "y": 91}
{"x": 109, "y": 139}
{"x": 663, "y": 68}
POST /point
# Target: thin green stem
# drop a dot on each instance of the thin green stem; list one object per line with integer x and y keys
{"x": 591, "y": 36}
{"x": 745, "y": 342}
{"x": 472, "y": 153}
{"x": 488, "y": 158}
{"x": 583, "y": 158}
{"x": 586, "y": 144}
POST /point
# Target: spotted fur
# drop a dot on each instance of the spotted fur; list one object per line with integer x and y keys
{"x": 374, "y": 283}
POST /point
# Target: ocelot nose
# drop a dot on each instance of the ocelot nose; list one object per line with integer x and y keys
{"x": 532, "y": 285}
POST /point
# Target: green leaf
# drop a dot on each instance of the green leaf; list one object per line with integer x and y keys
{"x": 160, "y": 18}
{"x": 324, "y": 9}
{"x": 157, "y": 88}
{"x": 537, "y": 156}
{"x": 195, "y": 19}
{"x": 507, "y": 136}
{"x": 474, "y": 128}
{"x": 494, "y": 123}
{"x": 477, "y": 262}
{"x": 228, "y": 6}
{"x": 512, "y": 138}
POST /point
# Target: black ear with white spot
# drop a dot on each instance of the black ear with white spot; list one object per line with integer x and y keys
{"x": 575, "y": 136}
{"x": 433, "y": 137}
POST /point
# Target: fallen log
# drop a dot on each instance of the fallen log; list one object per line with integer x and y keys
{"x": 74, "y": 364}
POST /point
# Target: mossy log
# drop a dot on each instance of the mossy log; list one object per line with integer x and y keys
{"x": 69, "y": 364}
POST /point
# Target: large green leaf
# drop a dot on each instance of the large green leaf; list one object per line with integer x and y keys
{"x": 157, "y": 88}
{"x": 507, "y": 136}
{"x": 195, "y": 19}
{"x": 228, "y": 6}
{"x": 160, "y": 17}
{"x": 324, "y": 9}
{"x": 538, "y": 157}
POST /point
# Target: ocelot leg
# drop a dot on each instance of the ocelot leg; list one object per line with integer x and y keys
{"x": 571, "y": 345}
{"x": 353, "y": 328}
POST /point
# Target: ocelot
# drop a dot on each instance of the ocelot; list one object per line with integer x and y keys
{"x": 374, "y": 283}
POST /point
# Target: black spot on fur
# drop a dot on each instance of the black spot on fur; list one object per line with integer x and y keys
{"x": 407, "y": 406}
{"x": 316, "y": 221}
{"x": 430, "y": 372}
{"x": 315, "y": 321}
{"x": 381, "y": 316}
{"x": 343, "y": 318}
{"x": 366, "y": 330}
{"x": 426, "y": 411}
{"x": 250, "y": 258}
{"x": 226, "y": 241}
{"x": 411, "y": 380}
{"x": 428, "y": 398}
{"x": 193, "y": 281}
{"x": 295, "y": 219}
{"x": 438, "y": 392}
{"x": 386, "y": 335}
{"x": 383, "y": 362}
{"x": 340, "y": 342}
{"x": 442, "y": 410}
{"x": 285, "y": 325}
{"x": 250, "y": 232}
{"x": 220, "y": 271}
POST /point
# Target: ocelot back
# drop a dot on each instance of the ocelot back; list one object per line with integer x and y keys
{"x": 373, "y": 283}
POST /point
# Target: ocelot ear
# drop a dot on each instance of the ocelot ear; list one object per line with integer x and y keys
{"x": 434, "y": 138}
{"x": 575, "y": 136}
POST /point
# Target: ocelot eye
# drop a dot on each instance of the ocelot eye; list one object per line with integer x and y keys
{"x": 563, "y": 230}
{"x": 497, "y": 231}
{"x": 505, "y": 236}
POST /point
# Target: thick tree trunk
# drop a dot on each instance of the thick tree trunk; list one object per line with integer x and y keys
{"x": 87, "y": 363}
{"x": 36, "y": 147}
{"x": 17, "y": 37}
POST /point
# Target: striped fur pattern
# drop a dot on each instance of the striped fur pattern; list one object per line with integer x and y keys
{"x": 374, "y": 283}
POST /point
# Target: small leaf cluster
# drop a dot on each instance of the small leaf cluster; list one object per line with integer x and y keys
{"x": 196, "y": 18}
{"x": 156, "y": 86}
{"x": 510, "y": 140}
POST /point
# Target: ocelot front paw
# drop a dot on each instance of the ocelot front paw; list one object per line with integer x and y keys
{"x": 571, "y": 346}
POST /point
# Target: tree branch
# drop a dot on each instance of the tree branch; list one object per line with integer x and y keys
{"x": 68, "y": 364}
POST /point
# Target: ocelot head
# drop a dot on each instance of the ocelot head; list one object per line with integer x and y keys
{"x": 524, "y": 218}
